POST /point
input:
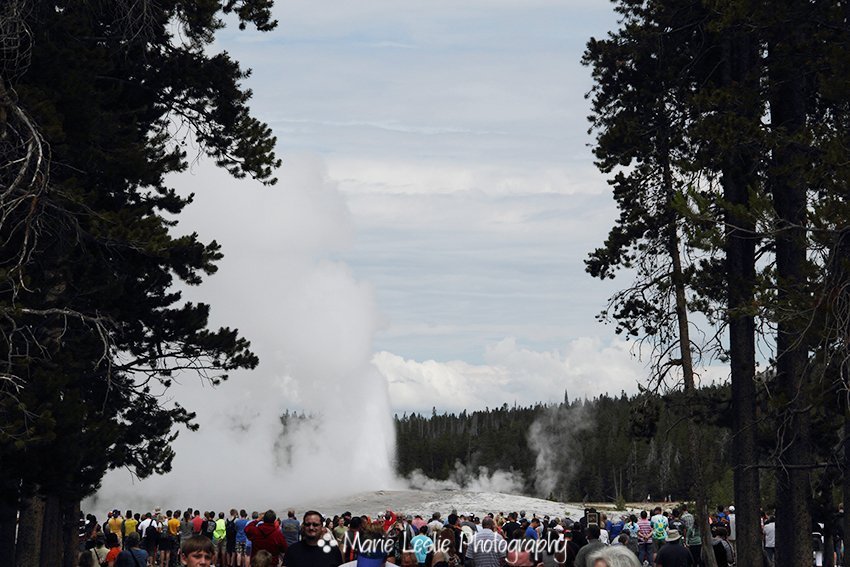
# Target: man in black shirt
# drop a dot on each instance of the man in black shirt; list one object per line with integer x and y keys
{"x": 316, "y": 549}
{"x": 510, "y": 526}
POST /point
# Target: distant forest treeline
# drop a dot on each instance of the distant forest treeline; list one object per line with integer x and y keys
{"x": 604, "y": 449}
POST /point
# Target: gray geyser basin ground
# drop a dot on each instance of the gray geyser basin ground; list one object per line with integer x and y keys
{"x": 426, "y": 502}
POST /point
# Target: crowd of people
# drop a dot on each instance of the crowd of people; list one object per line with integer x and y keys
{"x": 663, "y": 538}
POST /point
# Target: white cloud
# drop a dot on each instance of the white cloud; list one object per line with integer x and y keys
{"x": 585, "y": 368}
{"x": 393, "y": 177}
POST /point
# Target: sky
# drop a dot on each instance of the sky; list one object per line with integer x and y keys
{"x": 423, "y": 249}
{"x": 453, "y": 184}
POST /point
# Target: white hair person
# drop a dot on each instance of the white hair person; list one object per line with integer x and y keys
{"x": 614, "y": 556}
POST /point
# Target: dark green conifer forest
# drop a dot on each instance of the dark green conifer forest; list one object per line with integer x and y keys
{"x": 606, "y": 449}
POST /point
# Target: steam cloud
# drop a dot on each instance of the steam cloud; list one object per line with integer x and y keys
{"x": 552, "y": 436}
{"x": 312, "y": 324}
{"x": 463, "y": 477}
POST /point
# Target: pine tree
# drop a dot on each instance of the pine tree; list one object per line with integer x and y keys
{"x": 97, "y": 110}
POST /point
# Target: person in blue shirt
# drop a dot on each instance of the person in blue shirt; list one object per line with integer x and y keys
{"x": 616, "y": 528}
{"x": 242, "y": 550}
{"x": 132, "y": 556}
{"x": 531, "y": 531}
{"x": 291, "y": 527}
{"x": 421, "y": 545}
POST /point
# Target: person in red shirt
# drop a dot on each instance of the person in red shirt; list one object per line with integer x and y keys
{"x": 264, "y": 534}
{"x": 197, "y": 523}
{"x": 389, "y": 520}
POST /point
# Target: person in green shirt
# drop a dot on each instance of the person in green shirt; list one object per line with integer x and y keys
{"x": 219, "y": 538}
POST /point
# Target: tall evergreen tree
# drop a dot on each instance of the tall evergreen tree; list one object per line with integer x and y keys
{"x": 644, "y": 84}
{"x": 767, "y": 114}
{"x": 98, "y": 108}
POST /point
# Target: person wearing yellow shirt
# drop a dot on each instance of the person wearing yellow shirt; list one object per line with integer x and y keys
{"x": 130, "y": 525}
{"x": 170, "y": 541}
{"x": 115, "y": 523}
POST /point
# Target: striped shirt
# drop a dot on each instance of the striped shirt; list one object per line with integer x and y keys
{"x": 487, "y": 549}
{"x": 644, "y": 529}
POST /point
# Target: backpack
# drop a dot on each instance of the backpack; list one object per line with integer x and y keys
{"x": 230, "y": 528}
{"x": 678, "y": 525}
{"x": 152, "y": 532}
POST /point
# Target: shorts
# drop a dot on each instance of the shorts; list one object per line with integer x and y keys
{"x": 241, "y": 547}
{"x": 230, "y": 546}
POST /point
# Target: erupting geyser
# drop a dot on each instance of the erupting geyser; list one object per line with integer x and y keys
{"x": 312, "y": 325}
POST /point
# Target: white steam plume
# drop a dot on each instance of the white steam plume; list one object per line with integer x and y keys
{"x": 463, "y": 477}
{"x": 311, "y": 323}
{"x": 552, "y": 436}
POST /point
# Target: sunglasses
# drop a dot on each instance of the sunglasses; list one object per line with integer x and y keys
{"x": 312, "y": 525}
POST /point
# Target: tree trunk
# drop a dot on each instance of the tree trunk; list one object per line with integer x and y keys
{"x": 828, "y": 547}
{"x": 707, "y": 553}
{"x": 788, "y": 114}
{"x": 28, "y": 546}
{"x": 51, "y": 533}
{"x": 8, "y": 527}
{"x": 70, "y": 531}
{"x": 846, "y": 479}
{"x": 686, "y": 357}
{"x": 739, "y": 165}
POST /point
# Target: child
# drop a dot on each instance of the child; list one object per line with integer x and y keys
{"x": 196, "y": 551}
{"x": 262, "y": 559}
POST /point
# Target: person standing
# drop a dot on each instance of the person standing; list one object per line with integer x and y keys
{"x": 730, "y": 517}
{"x": 197, "y": 523}
{"x": 128, "y": 526}
{"x": 242, "y": 554}
{"x": 290, "y": 527}
{"x": 723, "y": 552}
{"x": 115, "y": 524}
{"x": 421, "y": 545}
{"x": 770, "y": 539}
{"x": 150, "y": 530}
{"x": 693, "y": 539}
{"x": 593, "y": 545}
{"x": 510, "y": 526}
{"x": 219, "y": 535}
{"x": 645, "y": 554}
{"x": 208, "y": 527}
{"x": 315, "y": 549}
{"x": 132, "y": 556}
{"x": 674, "y": 554}
{"x": 566, "y": 550}
{"x": 487, "y": 548}
{"x": 264, "y": 535}
{"x": 659, "y": 525}
{"x": 170, "y": 544}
